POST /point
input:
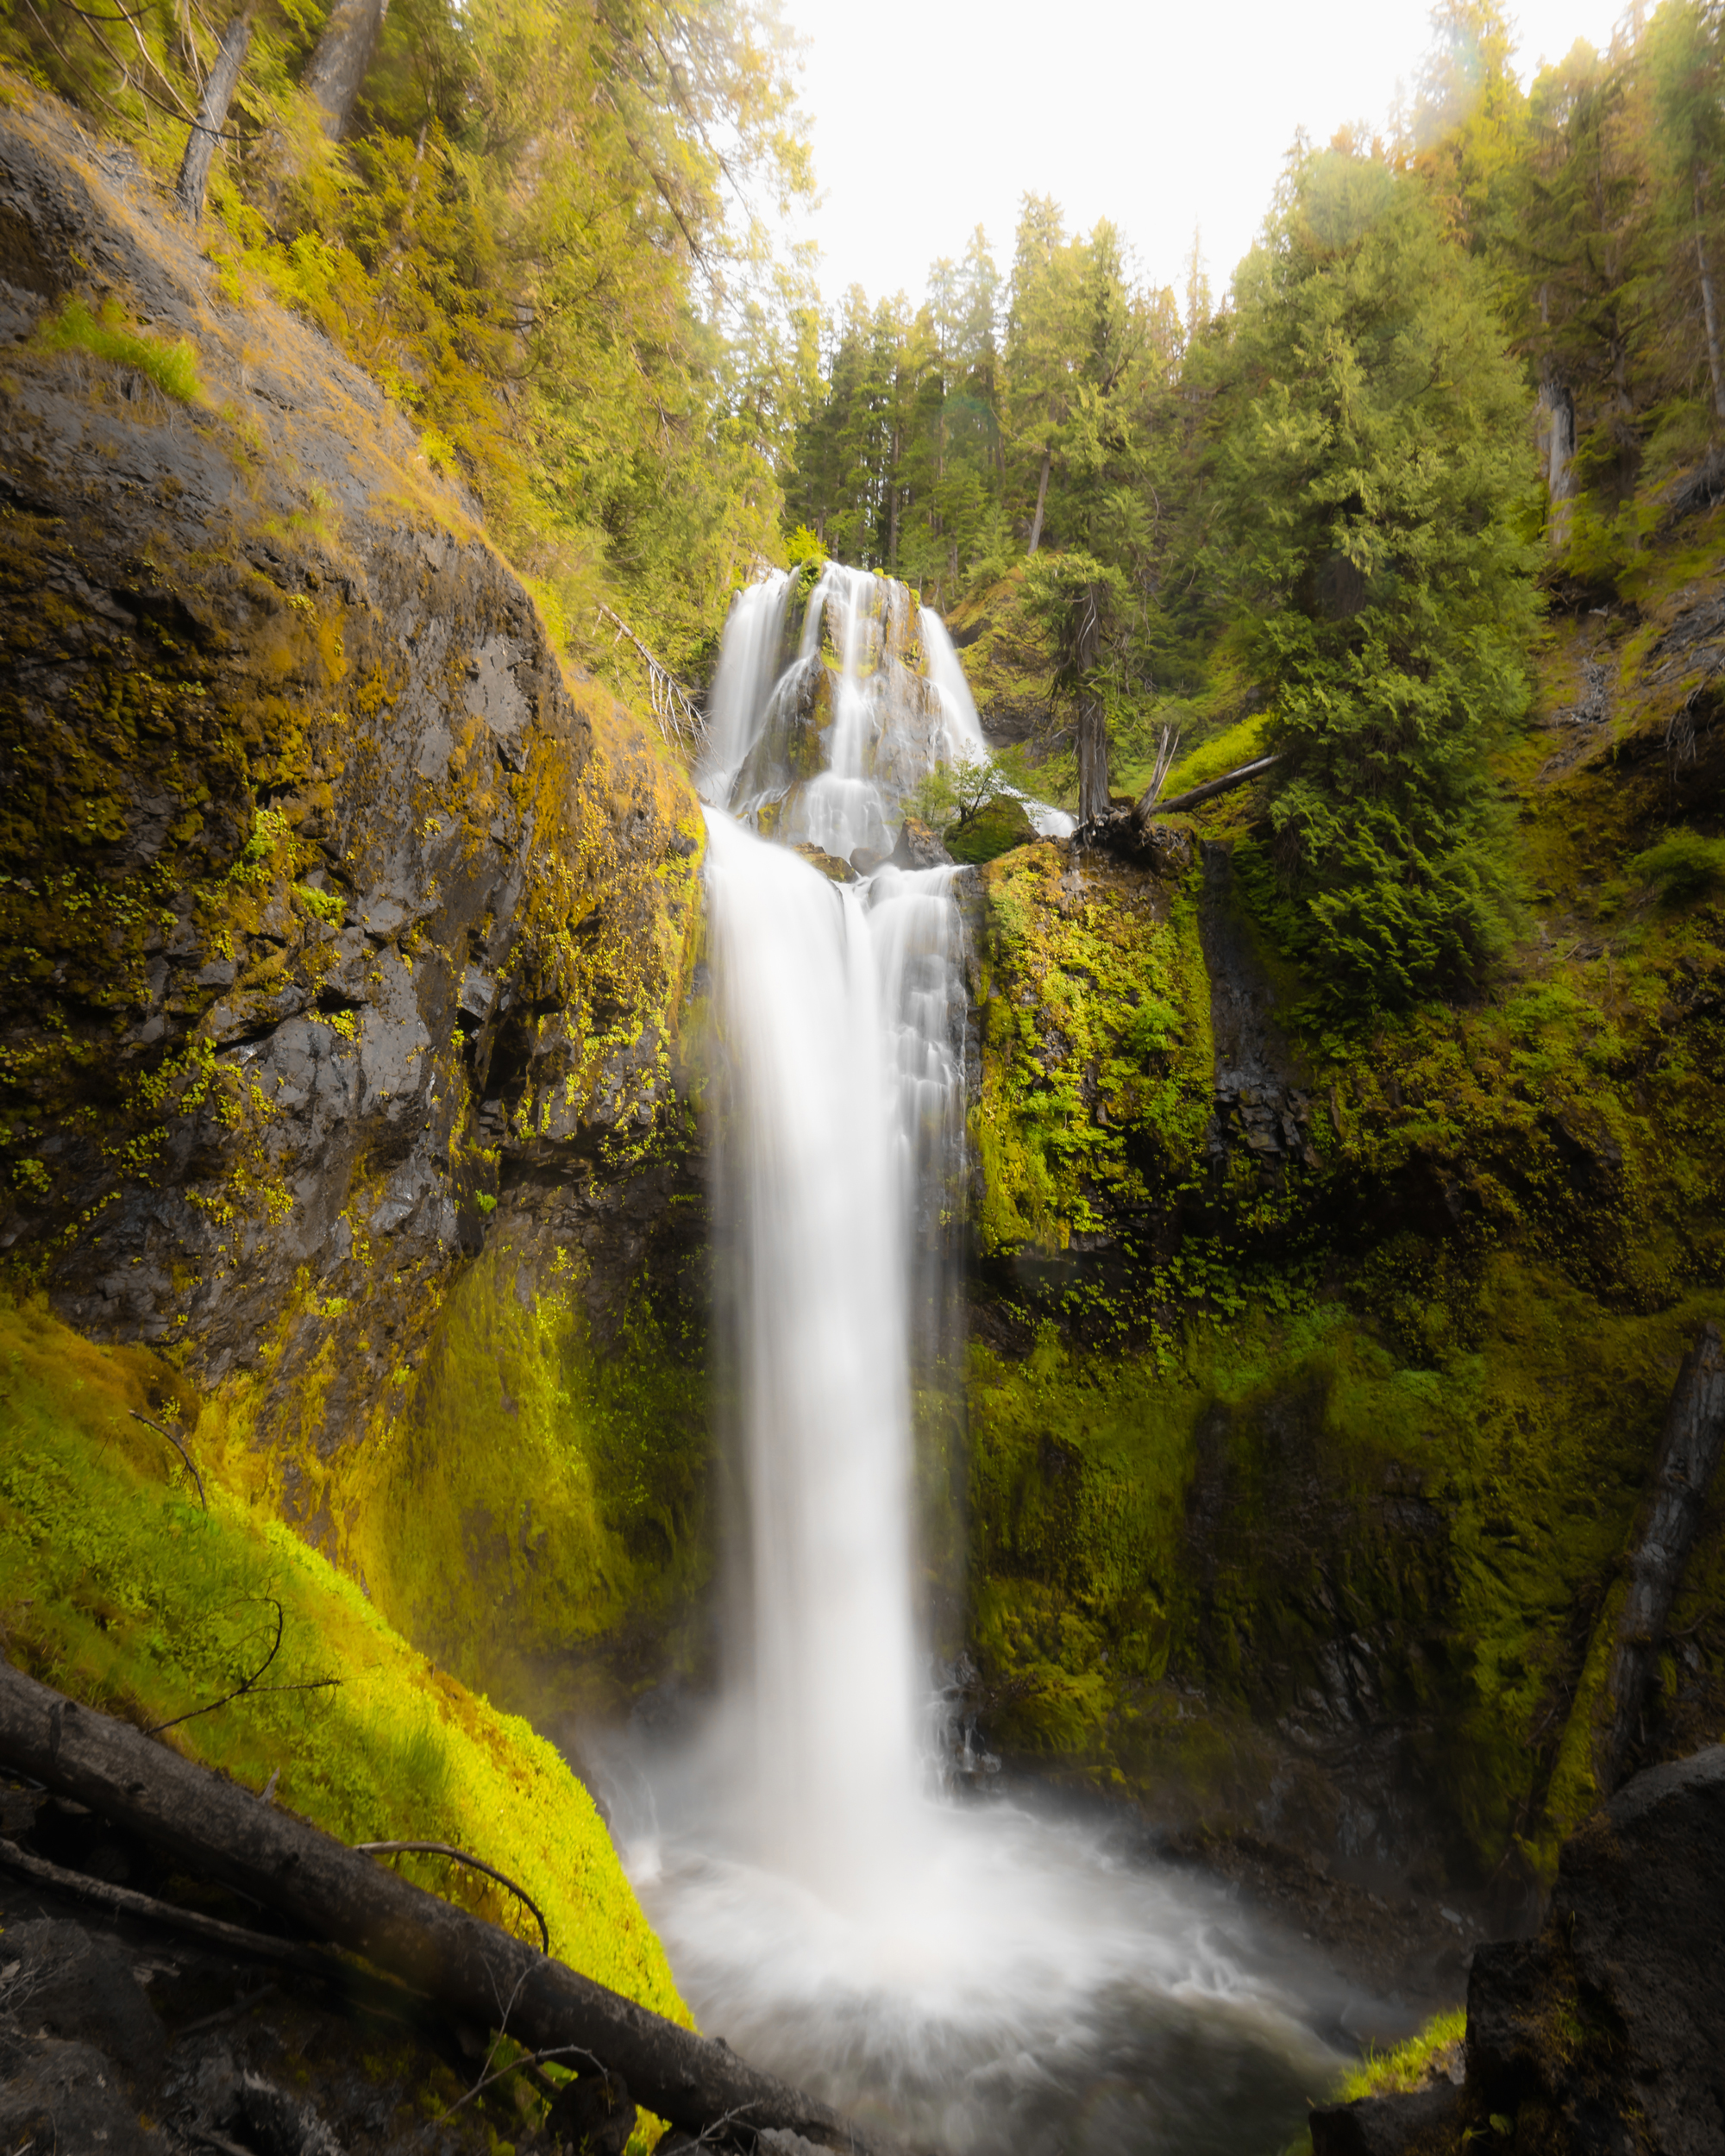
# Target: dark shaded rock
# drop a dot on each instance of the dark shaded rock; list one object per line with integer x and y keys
{"x": 64, "y": 2097}
{"x": 1424, "y": 2120}
{"x": 280, "y": 2126}
{"x": 866, "y": 860}
{"x": 919, "y": 848}
{"x": 1612, "y": 2023}
{"x": 77, "y": 1988}
{"x": 593, "y": 2117}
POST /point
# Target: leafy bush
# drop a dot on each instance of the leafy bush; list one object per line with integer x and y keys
{"x": 1683, "y": 864}
{"x": 171, "y": 367}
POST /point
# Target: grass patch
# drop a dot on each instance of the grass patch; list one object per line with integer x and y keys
{"x": 171, "y": 367}
{"x": 1409, "y": 2067}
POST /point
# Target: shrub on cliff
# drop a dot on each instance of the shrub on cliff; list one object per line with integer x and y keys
{"x": 1370, "y": 460}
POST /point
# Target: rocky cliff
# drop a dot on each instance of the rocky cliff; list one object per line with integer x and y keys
{"x": 345, "y": 937}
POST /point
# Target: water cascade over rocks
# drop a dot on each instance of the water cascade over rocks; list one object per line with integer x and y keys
{"x": 972, "y": 1975}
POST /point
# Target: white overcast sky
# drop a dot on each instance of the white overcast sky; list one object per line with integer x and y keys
{"x": 930, "y": 117}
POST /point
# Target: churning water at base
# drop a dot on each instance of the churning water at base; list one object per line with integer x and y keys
{"x": 969, "y": 1976}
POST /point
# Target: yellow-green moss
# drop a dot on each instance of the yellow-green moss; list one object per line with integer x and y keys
{"x": 1096, "y": 1049}
{"x": 118, "y": 1588}
{"x": 536, "y": 1495}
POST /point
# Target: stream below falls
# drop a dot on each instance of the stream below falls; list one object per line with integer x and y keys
{"x": 970, "y": 1974}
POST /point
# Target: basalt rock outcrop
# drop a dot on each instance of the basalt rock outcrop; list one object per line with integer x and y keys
{"x": 1603, "y": 2034}
{"x": 343, "y": 931}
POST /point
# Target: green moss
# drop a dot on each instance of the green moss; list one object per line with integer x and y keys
{"x": 1240, "y": 743}
{"x": 570, "y": 1480}
{"x": 119, "y": 1589}
{"x": 1096, "y": 1051}
{"x": 1167, "y": 1545}
{"x": 171, "y": 367}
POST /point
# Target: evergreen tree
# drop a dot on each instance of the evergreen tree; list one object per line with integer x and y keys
{"x": 1368, "y": 457}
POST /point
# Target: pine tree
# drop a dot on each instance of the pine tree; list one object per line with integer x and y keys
{"x": 1370, "y": 455}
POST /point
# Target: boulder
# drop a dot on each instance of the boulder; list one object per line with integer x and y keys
{"x": 1610, "y": 2025}
{"x": 830, "y": 865}
{"x": 918, "y": 847}
{"x": 1422, "y": 2123}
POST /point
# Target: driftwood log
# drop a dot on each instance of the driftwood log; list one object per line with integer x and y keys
{"x": 1149, "y": 806}
{"x": 331, "y": 1892}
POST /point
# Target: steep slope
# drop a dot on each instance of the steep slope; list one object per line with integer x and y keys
{"x": 1315, "y": 1382}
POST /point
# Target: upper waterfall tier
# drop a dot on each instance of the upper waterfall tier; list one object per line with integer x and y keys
{"x": 823, "y": 725}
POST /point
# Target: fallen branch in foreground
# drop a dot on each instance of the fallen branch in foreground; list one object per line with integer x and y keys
{"x": 1148, "y": 805}
{"x": 334, "y": 1893}
{"x": 178, "y": 1447}
{"x": 460, "y": 1856}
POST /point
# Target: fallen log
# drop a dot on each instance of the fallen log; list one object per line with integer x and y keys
{"x": 478, "y": 1972}
{"x": 1612, "y": 1693}
{"x": 1149, "y": 806}
{"x": 311, "y": 1961}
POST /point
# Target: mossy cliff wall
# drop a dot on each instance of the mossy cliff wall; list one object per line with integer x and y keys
{"x": 1314, "y": 1384}
{"x": 343, "y": 935}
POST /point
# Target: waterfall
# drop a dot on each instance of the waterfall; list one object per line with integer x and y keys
{"x": 976, "y": 1976}
{"x": 818, "y": 1159}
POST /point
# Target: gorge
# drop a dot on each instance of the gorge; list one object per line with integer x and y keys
{"x": 989, "y": 1479}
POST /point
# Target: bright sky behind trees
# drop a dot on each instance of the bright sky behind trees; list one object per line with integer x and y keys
{"x": 931, "y": 117}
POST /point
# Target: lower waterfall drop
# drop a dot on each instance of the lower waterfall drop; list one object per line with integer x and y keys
{"x": 968, "y": 1975}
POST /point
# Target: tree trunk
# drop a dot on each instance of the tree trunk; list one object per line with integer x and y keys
{"x": 1613, "y": 1691}
{"x": 221, "y": 1832}
{"x": 1710, "y": 313}
{"x": 1149, "y": 806}
{"x": 1093, "y": 759}
{"x": 893, "y": 511}
{"x": 340, "y": 59}
{"x": 212, "y": 114}
{"x": 1093, "y": 724}
{"x": 1041, "y": 497}
{"x": 1559, "y": 404}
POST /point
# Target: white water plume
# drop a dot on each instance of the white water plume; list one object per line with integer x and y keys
{"x": 968, "y": 1973}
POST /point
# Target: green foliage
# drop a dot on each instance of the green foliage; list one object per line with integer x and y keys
{"x": 1367, "y": 471}
{"x": 546, "y": 231}
{"x": 1097, "y": 1052}
{"x": 976, "y": 804}
{"x": 1683, "y": 865}
{"x": 118, "y": 1588}
{"x": 171, "y": 367}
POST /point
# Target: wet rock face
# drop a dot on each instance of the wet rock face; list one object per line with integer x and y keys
{"x": 1603, "y": 2033}
{"x": 330, "y": 907}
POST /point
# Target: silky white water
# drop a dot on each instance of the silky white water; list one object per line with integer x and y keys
{"x": 971, "y": 1974}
